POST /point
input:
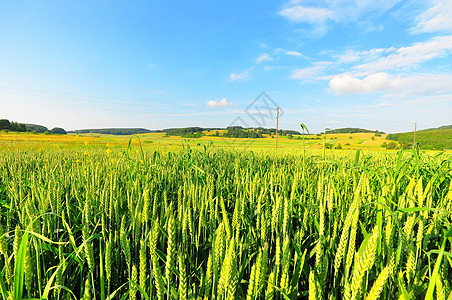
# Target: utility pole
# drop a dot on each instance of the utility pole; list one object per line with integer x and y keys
{"x": 414, "y": 141}
{"x": 277, "y": 126}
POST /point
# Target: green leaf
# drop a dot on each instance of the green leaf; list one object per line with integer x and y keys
{"x": 47, "y": 289}
{"x": 304, "y": 127}
{"x": 19, "y": 268}
{"x": 405, "y": 294}
{"x": 414, "y": 209}
{"x": 3, "y": 285}
{"x": 112, "y": 295}
{"x": 434, "y": 276}
{"x": 102, "y": 277}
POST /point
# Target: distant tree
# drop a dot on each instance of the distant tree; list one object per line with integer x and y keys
{"x": 58, "y": 130}
{"x": 391, "y": 145}
{"x": 37, "y": 128}
{"x": 339, "y": 146}
{"x": 328, "y": 146}
{"x": 14, "y": 126}
{"x": 4, "y": 124}
{"x": 384, "y": 145}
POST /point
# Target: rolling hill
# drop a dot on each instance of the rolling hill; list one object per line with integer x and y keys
{"x": 433, "y": 138}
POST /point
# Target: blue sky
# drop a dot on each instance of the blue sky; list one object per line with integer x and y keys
{"x": 157, "y": 64}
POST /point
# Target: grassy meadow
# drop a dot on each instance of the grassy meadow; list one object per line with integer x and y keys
{"x": 108, "y": 217}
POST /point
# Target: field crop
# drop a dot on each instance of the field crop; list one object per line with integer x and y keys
{"x": 93, "y": 223}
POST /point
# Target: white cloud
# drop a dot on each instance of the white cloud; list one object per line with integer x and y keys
{"x": 240, "y": 76}
{"x": 406, "y": 57}
{"x": 264, "y": 57}
{"x": 220, "y": 103}
{"x": 346, "y": 84}
{"x": 293, "y": 53}
{"x": 311, "y": 15}
{"x": 289, "y": 53}
{"x": 436, "y": 18}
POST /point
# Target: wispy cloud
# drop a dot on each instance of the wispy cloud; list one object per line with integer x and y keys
{"x": 263, "y": 57}
{"x": 220, "y": 103}
{"x": 397, "y": 86}
{"x": 351, "y": 56}
{"x": 323, "y": 12}
{"x": 438, "y": 18}
{"x": 289, "y": 52}
{"x": 310, "y": 73}
{"x": 393, "y": 71}
{"x": 407, "y": 57}
{"x": 245, "y": 75}
{"x": 390, "y": 60}
{"x": 311, "y": 15}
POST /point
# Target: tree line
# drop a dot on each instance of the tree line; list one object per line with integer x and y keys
{"x": 12, "y": 126}
{"x": 6, "y": 125}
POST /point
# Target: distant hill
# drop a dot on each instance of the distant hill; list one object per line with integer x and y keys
{"x": 114, "y": 131}
{"x": 37, "y": 128}
{"x": 439, "y": 128}
{"x": 434, "y": 138}
{"x": 352, "y": 130}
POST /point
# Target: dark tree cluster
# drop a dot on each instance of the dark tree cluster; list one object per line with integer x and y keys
{"x": 12, "y": 126}
{"x": 353, "y": 130}
{"x": 188, "y": 132}
{"x": 239, "y": 132}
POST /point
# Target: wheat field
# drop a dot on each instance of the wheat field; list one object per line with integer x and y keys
{"x": 96, "y": 223}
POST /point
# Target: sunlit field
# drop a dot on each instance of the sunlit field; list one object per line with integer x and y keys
{"x": 154, "y": 217}
{"x": 154, "y": 141}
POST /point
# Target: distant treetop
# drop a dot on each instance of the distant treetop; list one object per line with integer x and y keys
{"x": 114, "y": 131}
{"x": 58, "y": 130}
{"x": 352, "y": 130}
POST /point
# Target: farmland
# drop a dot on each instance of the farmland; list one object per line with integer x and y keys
{"x": 99, "y": 217}
{"x": 158, "y": 141}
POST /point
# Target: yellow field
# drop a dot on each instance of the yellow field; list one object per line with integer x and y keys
{"x": 160, "y": 141}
